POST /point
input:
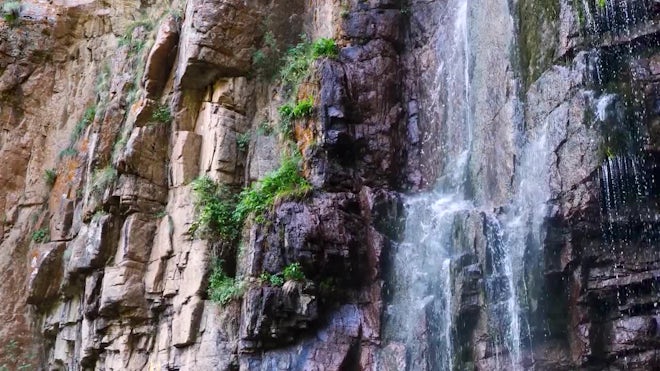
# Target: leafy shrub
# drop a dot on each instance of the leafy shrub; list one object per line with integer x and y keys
{"x": 265, "y": 59}
{"x": 286, "y": 111}
{"x": 41, "y": 235}
{"x": 264, "y": 277}
{"x": 293, "y": 272}
{"x": 304, "y": 108}
{"x": 276, "y": 280}
{"x": 325, "y": 47}
{"x": 214, "y": 209}
{"x": 162, "y": 114}
{"x": 298, "y": 59}
{"x": 271, "y": 279}
{"x": 222, "y": 288}
{"x": 11, "y": 11}
{"x": 243, "y": 141}
{"x": 290, "y": 112}
{"x": 261, "y": 196}
{"x": 297, "y": 62}
{"x": 103, "y": 178}
{"x": 219, "y": 213}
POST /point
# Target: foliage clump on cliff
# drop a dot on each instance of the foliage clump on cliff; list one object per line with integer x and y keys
{"x": 292, "y": 272}
{"x": 298, "y": 61}
{"x": 221, "y": 214}
{"x": 297, "y": 67}
{"x": 214, "y": 208}
{"x": 222, "y": 288}
{"x": 284, "y": 183}
{"x": 78, "y": 131}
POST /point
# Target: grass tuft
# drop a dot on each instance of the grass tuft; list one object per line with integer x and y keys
{"x": 283, "y": 183}
{"x": 162, "y": 114}
{"x": 11, "y": 12}
{"x": 222, "y": 288}
{"x": 50, "y": 175}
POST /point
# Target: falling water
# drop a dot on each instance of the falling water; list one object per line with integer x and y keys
{"x": 421, "y": 313}
{"x": 627, "y": 201}
{"x": 443, "y": 224}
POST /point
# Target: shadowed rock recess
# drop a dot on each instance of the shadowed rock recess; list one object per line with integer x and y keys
{"x": 522, "y": 137}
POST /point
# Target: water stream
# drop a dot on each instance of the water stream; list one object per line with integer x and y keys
{"x": 453, "y": 233}
{"x": 443, "y": 223}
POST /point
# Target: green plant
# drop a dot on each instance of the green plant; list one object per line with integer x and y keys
{"x": 264, "y": 128}
{"x": 85, "y": 121}
{"x": 67, "y": 152}
{"x": 285, "y": 182}
{"x": 286, "y": 111}
{"x": 162, "y": 114}
{"x": 293, "y": 272}
{"x": 102, "y": 88}
{"x": 264, "y": 277}
{"x": 40, "y": 235}
{"x": 265, "y": 60}
{"x": 258, "y": 59}
{"x": 328, "y": 287}
{"x": 103, "y": 178}
{"x": 11, "y": 11}
{"x": 303, "y": 108}
{"x": 214, "y": 209}
{"x": 120, "y": 143}
{"x": 271, "y": 279}
{"x": 15, "y": 355}
{"x": 135, "y": 46}
{"x": 297, "y": 62}
{"x": 289, "y": 112}
{"x": 77, "y": 132}
{"x": 222, "y": 288}
{"x": 325, "y": 47}
{"x": 602, "y": 3}
{"x": 50, "y": 175}
{"x": 243, "y": 141}
{"x": 276, "y": 280}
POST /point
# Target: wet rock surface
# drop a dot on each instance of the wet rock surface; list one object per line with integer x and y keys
{"x": 115, "y": 281}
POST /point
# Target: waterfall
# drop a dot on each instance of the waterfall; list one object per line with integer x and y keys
{"x": 443, "y": 224}
{"x": 420, "y": 312}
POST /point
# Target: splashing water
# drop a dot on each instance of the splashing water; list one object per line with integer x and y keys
{"x": 442, "y": 224}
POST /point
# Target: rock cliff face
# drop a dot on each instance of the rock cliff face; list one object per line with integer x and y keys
{"x": 98, "y": 260}
{"x": 109, "y": 110}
